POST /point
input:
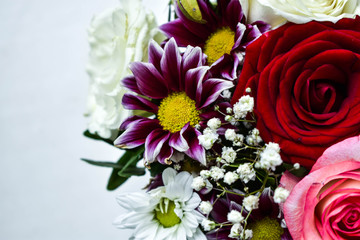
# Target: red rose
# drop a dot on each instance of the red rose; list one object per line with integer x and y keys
{"x": 306, "y": 83}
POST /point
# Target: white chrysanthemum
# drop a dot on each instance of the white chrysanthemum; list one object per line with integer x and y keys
{"x": 117, "y": 37}
{"x": 280, "y": 194}
{"x": 302, "y": 11}
{"x": 167, "y": 212}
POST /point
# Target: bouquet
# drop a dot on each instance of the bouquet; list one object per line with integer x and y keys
{"x": 246, "y": 114}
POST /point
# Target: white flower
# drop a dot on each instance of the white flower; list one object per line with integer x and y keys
{"x": 167, "y": 212}
{"x": 296, "y": 165}
{"x": 207, "y": 224}
{"x": 248, "y": 233}
{"x": 302, "y": 11}
{"x": 216, "y": 173}
{"x": 230, "y": 134}
{"x": 243, "y": 106}
{"x": 226, "y": 94}
{"x": 228, "y": 154}
{"x": 205, "y": 207}
{"x": 198, "y": 183}
{"x": 273, "y": 146}
{"x": 117, "y": 37}
{"x": 234, "y": 216}
{"x": 208, "y": 138}
{"x": 254, "y": 137}
{"x": 269, "y": 159}
{"x": 246, "y": 172}
{"x": 251, "y": 202}
{"x": 239, "y": 140}
{"x": 214, "y": 123}
{"x": 229, "y": 110}
{"x": 235, "y": 230}
{"x": 280, "y": 195}
{"x": 230, "y": 178}
{"x": 205, "y": 174}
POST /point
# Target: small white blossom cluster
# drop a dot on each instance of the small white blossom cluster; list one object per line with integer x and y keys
{"x": 269, "y": 158}
{"x": 280, "y": 195}
{"x": 237, "y": 230}
{"x": 251, "y": 202}
{"x": 237, "y": 139}
{"x": 246, "y": 172}
{"x": 243, "y": 106}
{"x": 210, "y": 136}
{"x": 254, "y": 138}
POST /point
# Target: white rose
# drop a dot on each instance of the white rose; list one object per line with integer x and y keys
{"x": 302, "y": 11}
{"x": 117, "y": 37}
{"x": 255, "y": 11}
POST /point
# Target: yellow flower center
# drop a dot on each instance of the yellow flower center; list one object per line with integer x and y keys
{"x": 219, "y": 43}
{"x": 266, "y": 229}
{"x": 176, "y": 110}
{"x": 165, "y": 214}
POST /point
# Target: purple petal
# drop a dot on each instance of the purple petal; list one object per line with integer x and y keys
{"x": 136, "y": 133}
{"x": 165, "y": 154}
{"x": 192, "y": 58}
{"x": 149, "y": 80}
{"x": 193, "y": 82}
{"x": 195, "y": 151}
{"x": 134, "y": 102}
{"x": 155, "y": 54}
{"x": 170, "y": 65}
{"x": 239, "y": 34}
{"x": 182, "y": 35}
{"x": 178, "y": 142}
{"x": 130, "y": 83}
{"x": 133, "y": 120}
{"x": 153, "y": 144}
{"x": 234, "y": 13}
{"x": 212, "y": 88}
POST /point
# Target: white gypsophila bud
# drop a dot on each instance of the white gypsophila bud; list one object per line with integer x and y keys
{"x": 280, "y": 195}
{"x": 243, "y": 106}
{"x": 229, "y": 110}
{"x": 207, "y": 224}
{"x": 248, "y": 234}
{"x": 269, "y": 159}
{"x": 216, "y": 173}
{"x": 251, "y": 202}
{"x": 239, "y": 140}
{"x": 248, "y": 90}
{"x": 235, "y": 216}
{"x": 235, "y": 231}
{"x": 208, "y": 138}
{"x": 228, "y": 118}
{"x": 214, "y": 123}
{"x": 216, "y": 107}
{"x": 198, "y": 183}
{"x": 226, "y": 94}
{"x": 254, "y": 137}
{"x": 228, "y": 154}
{"x": 205, "y": 207}
{"x": 273, "y": 146}
{"x": 177, "y": 167}
{"x": 230, "y": 178}
{"x": 205, "y": 174}
{"x": 230, "y": 134}
{"x": 246, "y": 172}
{"x": 296, "y": 165}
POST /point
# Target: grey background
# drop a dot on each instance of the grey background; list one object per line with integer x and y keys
{"x": 46, "y": 192}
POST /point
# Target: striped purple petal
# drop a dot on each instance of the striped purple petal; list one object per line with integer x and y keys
{"x": 154, "y": 143}
{"x": 233, "y": 13}
{"x": 165, "y": 154}
{"x": 136, "y": 132}
{"x": 195, "y": 151}
{"x": 192, "y": 58}
{"x": 213, "y": 87}
{"x": 155, "y": 54}
{"x": 133, "y": 102}
{"x": 193, "y": 82}
{"x": 178, "y": 142}
{"x": 149, "y": 80}
{"x": 130, "y": 83}
{"x": 170, "y": 65}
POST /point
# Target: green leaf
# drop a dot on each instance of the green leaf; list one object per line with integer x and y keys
{"x": 156, "y": 168}
{"x": 102, "y": 164}
{"x": 191, "y": 10}
{"x": 128, "y": 161}
{"x": 97, "y": 137}
{"x": 132, "y": 171}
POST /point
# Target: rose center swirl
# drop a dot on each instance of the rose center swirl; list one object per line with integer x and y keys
{"x": 176, "y": 110}
{"x": 219, "y": 43}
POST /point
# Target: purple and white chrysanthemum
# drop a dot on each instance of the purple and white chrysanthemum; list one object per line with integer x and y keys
{"x": 177, "y": 88}
{"x": 223, "y": 36}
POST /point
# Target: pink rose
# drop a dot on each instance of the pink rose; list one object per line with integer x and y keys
{"x": 326, "y": 203}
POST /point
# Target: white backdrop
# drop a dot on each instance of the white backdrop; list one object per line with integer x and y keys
{"x": 46, "y": 192}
